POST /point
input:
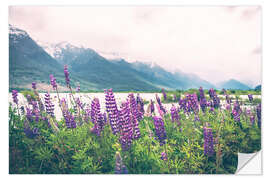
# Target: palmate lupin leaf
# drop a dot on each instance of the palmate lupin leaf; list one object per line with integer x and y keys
{"x": 43, "y": 153}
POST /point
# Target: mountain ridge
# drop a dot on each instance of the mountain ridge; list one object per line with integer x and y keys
{"x": 233, "y": 84}
{"x": 88, "y": 68}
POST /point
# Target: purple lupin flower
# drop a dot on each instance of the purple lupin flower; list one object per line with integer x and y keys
{"x": 134, "y": 107}
{"x": 35, "y": 111}
{"x": 160, "y": 130}
{"x": 211, "y": 93}
{"x": 209, "y": 104}
{"x": 29, "y": 132}
{"x": 67, "y": 75}
{"x": 126, "y": 127}
{"x": 196, "y": 118}
{"x": 228, "y": 99}
{"x": 161, "y": 113}
{"x": 258, "y": 111}
{"x": 214, "y": 97}
{"x": 92, "y": 111}
{"x": 236, "y": 115}
{"x": 212, "y": 110}
{"x": 98, "y": 117}
{"x": 29, "y": 99}
{"x": 72, "y": 121}
{"x": 164, "y": 156}
{"x": 228, "y": 107}
{"x": 48, "y": 122}
{"x": 224, "y": 91}
{"x": 105, "y": 117}
{"x": 250, "y": 97}
{"x": 208, "y": 141}
{"x": 194, "y": 103}
{"x": 134, "y": 115}
{"x": 79, "y": 103}
{"x": 87, "y": 114}
{"x": 22, "y": 110}
{"x": 78, "y": 88}
{"x": 174, "y": 97}
{"x": 160, "y": 105}
{"x": 174, "y": 115}
{"x": 248, "y": 112}
{"x": 140, "y": 105}
{"x": 152, "y": 107}
{"x": 29, "y": 116}
{"x": 236, "y": 112}
{"x": 182, "y": 104}
{"x": 15, "y": 96}
{"x": 48, "y": 105}
{"x": 120, "y": 168}
{"x": 34, "y": 85}
{"x": 158, "y": 100}
{"x": 64, "y": 105}
{"x": 111, "y": 108}
{"x": 189, "y": 103}
{"x": 69, "y": 118}
{"x": 252, "y": 119}
{"x": 203, "y": 101}
{"x": 237, "y": 107}
{"x": 216, "y": 101}
{"x": 164, "y": 94}
{"x": 53, "y": 82}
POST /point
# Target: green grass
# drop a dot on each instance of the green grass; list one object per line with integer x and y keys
{"x": 79, "y": 151}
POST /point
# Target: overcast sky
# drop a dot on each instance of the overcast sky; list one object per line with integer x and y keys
{"x": 216, "y": 43}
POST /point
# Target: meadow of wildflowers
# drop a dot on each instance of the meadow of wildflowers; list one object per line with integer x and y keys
{"x": 198, "y": 135}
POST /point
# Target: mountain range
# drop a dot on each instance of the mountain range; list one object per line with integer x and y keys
{"x": 31, "y": 60}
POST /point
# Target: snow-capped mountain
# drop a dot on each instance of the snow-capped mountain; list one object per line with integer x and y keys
{"x": 64, "y": 52}
{"x": 56, "y": 50}
{"x": 16, "y": 34}
{"x": 79, "y": 57}
{"x": 32, "y": 60}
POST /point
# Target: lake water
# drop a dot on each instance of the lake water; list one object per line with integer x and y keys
{"x": 86, "y": 98}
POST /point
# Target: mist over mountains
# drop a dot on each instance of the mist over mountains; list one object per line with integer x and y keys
{"x": 31, "y": 60}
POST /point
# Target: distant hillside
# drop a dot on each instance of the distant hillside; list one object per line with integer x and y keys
{"x": 29, "y": 62}
{"x": 35, "y": 61}
{"x": 163, "y": 78}
{"x": 258, "y": 88}
{"x": 233, "y": 84}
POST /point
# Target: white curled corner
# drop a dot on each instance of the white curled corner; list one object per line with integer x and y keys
{"x": 249, "y": 163}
